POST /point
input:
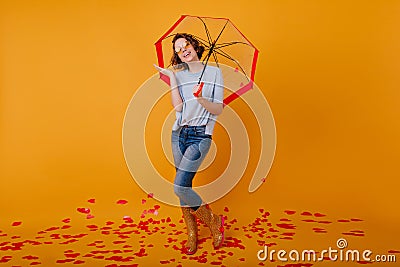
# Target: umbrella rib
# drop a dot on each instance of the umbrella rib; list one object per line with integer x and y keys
{"x": 223, "y": 28}
{"x": 170, "y": 36}
{"x": 229, "y": 44}
{"x": 207, "y": 31}
{"x": 224, "y": 54}
{"x": 215, "y": 58}
{"x": 202, "y": 41}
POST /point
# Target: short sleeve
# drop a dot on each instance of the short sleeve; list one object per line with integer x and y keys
{"x": 218, "y": 87}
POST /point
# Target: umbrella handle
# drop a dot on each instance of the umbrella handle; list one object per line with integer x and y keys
{"x": 196, "y": 94}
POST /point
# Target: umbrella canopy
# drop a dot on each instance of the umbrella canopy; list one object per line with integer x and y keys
{"x": 225, "y": 47}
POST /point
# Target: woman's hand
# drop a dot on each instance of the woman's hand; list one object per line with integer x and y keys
{"x": 197, "y": 90}
{"x": 213, "y": 108}
{"x": 167, "y": 72}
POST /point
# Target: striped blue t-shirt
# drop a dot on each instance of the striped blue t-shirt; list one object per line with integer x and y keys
{"x": 193, "y": 113}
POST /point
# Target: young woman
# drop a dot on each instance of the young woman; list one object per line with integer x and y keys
{"x": 196, "y": 113}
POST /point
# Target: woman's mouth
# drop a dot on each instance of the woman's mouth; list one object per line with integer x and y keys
{"x": 186, "y": 54}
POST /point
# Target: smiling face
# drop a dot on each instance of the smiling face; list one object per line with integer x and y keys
{"x": 185, "y": 50}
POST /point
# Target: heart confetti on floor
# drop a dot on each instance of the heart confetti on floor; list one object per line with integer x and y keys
{"x": 129, "y": 240}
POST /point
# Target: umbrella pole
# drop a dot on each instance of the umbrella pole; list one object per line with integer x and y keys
{"x": 211, "y": 51}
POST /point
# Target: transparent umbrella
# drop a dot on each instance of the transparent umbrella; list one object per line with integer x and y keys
{"x": 225, "y": 46}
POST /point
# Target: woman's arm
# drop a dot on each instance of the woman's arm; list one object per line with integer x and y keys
{"x": 212, "y": 107}
{"x": 176, "y": 99}
{"x": 215, "y": 106}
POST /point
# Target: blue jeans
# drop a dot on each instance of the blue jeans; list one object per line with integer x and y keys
{"x": 190, "y": 145}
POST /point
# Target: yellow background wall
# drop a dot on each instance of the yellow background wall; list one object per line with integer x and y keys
{"x": 329, "y": 70}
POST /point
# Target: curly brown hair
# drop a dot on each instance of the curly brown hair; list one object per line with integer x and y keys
{"x": 175, "y": 60}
